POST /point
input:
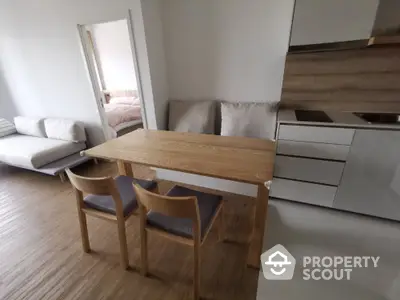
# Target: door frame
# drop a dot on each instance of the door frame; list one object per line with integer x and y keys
{"x": 91, "y": 67}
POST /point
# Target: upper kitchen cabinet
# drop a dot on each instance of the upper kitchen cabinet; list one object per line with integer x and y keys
{"x": 332, "y": 21}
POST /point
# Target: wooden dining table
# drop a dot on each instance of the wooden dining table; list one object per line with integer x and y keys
{"x": 239, "y": 159}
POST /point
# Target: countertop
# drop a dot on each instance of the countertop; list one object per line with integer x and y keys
{"x": 340, "y": 119}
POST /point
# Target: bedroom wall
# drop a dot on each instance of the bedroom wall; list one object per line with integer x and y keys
{"x": 113, "y": 49}
{"x": 43, "y": 63}
{"x": 232, "y": 50}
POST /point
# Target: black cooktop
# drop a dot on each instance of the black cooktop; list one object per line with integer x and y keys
{"x": 312, "y": 116}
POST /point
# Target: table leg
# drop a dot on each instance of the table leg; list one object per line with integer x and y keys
{"x": 256, "y": 241}
{"x": 124, "y": 168}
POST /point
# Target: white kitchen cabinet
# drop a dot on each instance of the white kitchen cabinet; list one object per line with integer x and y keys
{"x": 328, "y": 135}
{"x": 311, "y": 170}
{"x": 317, "y": 194}
{"x": 371, "y": 178}
{"x": 327, "y": 21}
{"x": 313, "y": 150}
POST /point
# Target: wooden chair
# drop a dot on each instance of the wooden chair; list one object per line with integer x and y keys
{"x": 183, "y": 215}
{"x": 109, "y": 199}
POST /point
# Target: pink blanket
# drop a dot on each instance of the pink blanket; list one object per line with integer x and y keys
{"x": 121, "y": 113}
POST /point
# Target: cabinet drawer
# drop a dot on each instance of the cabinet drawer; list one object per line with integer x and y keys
{"x": 303, "y": 192}
{"x": 313, "y": 170}
{"x": 317, "y": 150}
{"x": 328, "y": 135}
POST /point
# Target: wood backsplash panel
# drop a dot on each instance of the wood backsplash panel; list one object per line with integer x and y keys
{"x": 364, "y": 80}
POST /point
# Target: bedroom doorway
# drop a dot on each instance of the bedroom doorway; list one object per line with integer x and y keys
{"x": 111, "y": 60}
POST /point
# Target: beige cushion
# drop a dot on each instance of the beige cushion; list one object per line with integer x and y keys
{"x": 248, "y": 119}
{"x": 66, "y": 130}
{"x": 192, "y": 116}
{"x": 30, "y": 126}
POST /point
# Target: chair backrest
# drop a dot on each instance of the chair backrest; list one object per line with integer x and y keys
{"x": 96, "y": 186}
{"x": 181, "y": 207}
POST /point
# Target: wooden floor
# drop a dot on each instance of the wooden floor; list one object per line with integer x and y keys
{"x": 41, "y": 255}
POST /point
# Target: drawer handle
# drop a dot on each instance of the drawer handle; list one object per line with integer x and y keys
{"x": 268, "y": 184}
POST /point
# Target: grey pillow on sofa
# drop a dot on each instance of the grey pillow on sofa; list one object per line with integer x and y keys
{"x": 6, "y": 128}
{"x": 192, "y": 116}
{"x": 255, "y": 120}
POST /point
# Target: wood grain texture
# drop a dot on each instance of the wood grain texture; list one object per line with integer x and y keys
{"x": 100, "y": 186}
{"x": 363, "y": 80}
{"x": 181, "y": 207}
{"x": 42, "y": 255}
{"x": 259, "y": 224}
{"x": 233, "y": 158}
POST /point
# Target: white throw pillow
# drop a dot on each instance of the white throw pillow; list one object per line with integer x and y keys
{"x": 30, "y": 126}
{"x": 192, "y": 116}
{"x": 6, "y": 128}
{"x": 255, "y": 120}
{"x": 66, "y": 130}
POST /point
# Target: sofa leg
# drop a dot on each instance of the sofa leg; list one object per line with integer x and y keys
{"x": 62, "y": 177}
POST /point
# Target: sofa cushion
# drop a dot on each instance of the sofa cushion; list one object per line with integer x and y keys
{"x": 34, "y": 152}
{"x": 255, "y": 120}
{"x": 192, "y": 116}
{"x": 124, "y": 185}
{"x": 6, "y": 127}
{"x": 208, "y": 205}
{"x": 30, "y": 126}
{"x": 66, "y": 130}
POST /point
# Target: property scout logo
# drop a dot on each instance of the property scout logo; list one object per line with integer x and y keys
{"x": 278, "y": 264}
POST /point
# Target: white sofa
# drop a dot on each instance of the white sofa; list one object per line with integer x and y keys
{"x": 44, "y": 145}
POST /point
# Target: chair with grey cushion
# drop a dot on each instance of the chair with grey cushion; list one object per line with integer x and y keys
{"x": 112, "y": 199}
{"x": 183, "y": 215}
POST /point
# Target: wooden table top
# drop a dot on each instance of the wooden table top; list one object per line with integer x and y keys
{"x": 233, "y": 158}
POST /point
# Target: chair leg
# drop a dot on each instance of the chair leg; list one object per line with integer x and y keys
{"x": 62, "y": 177}
{"x": 84, "y": 231}
{"x": 143, "y": 252}
{"x": 196, "y": 274}
{"x": 123, "y": 244}
{"x": 221, "y": 225}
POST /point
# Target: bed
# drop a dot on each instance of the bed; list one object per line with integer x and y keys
{"x": 123, "y": 112}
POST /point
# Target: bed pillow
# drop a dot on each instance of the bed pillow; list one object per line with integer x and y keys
{"x": 125, "y": 101}
{"x": 255, "y": 120}
{"x": 30, "y": 126}
{"x": 6, "y": 128}
{"x": 192, "y": 116}
{"x": 66, "y": 130}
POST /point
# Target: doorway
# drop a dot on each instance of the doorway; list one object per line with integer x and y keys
{"x": 111, "y": 60}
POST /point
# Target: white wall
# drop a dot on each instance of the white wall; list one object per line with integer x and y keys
{"x": 113, "y": 50}
{"x": 42, "y": 59}
{"x": 152, "y": 14}
{"x": 7, "y": 108}
{"x": 232, "y": 50}
{"x": 388, "y": 16}
{"x": 325, "y": 21}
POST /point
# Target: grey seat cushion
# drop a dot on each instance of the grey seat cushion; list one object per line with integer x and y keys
{"x": 125, "y": 187}
{"x": 208, "y": 205}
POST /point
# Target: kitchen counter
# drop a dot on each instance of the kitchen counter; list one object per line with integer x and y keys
{"x": 340, "y": 119}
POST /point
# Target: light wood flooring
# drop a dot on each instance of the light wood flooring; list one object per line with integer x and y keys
{"x": 41, "y": 255}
